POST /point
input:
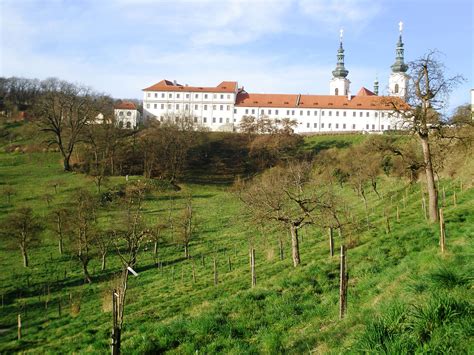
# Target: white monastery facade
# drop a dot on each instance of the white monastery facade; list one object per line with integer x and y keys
{"x": 222, "y": 107}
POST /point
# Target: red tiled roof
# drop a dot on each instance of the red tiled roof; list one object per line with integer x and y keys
{"x": 166, "y": 85}
{"x": 126, "y": 105}
{"x": 364, "y": 102}
{"x": 365, "y": 92}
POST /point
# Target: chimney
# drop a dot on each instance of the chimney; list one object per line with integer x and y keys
{"x": 349, "y": 95}
{"x": 174, "y": 82}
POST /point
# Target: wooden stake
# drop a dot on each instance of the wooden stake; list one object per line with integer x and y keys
{"x": 423, "y": 206}
{"x": 216, "y": 280}
{"x": 387, "y": 224}
{"x": 229, "y": 263}
{"x": 398, "y": 214}
{"x": 252, "y": 267}
{"x": 194, "y": 273}
{"x": 19, "y": 326}
{"x": 454, "y": 199}
{"x": 331, "y": 242}
{"x": 342, "y": 284}
{"x": 444, "y": 197}
{"x": 202, "y": 260}
{"x": 59, "y": 307}
{"x": 280, "y": 243}
{"x": 442, "y": 231}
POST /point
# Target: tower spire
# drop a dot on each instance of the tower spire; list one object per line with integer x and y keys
{"x": 340, "y": 71}
{"x": 399, "y": 66}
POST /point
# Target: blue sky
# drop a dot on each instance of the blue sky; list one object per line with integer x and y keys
{"x": 272, "y": 46}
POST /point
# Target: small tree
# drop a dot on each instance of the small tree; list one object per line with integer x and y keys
{"x": 103, "y": 240}
{"x": 82, "y": 231}
{"x": 58, "y": 218}
{"x": 8, "y": 191}
{"x": 187, "y": 226}
{"x": 283, "y": 195}
{"x": 23, "y": 229}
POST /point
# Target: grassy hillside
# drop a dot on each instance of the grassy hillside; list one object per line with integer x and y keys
{"x": 404, "y": 296}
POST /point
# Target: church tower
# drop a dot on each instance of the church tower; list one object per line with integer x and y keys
{"x": 339, "y": 84}
{"x": 398, "y": 81}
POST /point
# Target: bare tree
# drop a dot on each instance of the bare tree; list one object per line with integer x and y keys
{"x": 427, "y": 96}
{"x": 283, "y": 195}
{"x": 63, "y": 110}
{"x": 82, "y": 229}
{"x": 103, "y": 240}
{"x": 58, "y": 217}
{"x": 187, "y": 226}
{"x": 8, "y": 191}
{"x": 23, "y": 229}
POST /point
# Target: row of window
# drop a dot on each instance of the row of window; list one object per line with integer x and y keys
{"x": 315, "y": 113}
{"x": 186, "y": 107}
{"x": 187, "y": 96}
{"x": 367, "y": 126}
{"x": 204, "y": 119}
{"x": 128, "y": 113}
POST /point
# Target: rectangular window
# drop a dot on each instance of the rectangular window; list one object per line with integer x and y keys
{"x": 147, "y": 105}
{"x": 187, "y": 96}
{"x": 307, "y": 125}
{"x": 343, "y": 126}
{"x": 308, "y": 113}
{"x": 162, "y": 106}
{"x": 196, "y": 107}
{"x": 276, "y": 112}
{"x": 148, "y": 94}
{"x": 373, "y": 126}
{"x": 196, "y": 96}
{"x": 367, "y": 114}
{"x": 155, "y": 106}
{"x": 204, "y": 119}
{"x": 382, "y": 127}
{"x": 337, "y": 113}
{"x": 269, "y": 112}
{"x": 195, "y": 119}
{"x": 361, "y": 114}
{"x": 235, "y": 110}
{"x": 367, "y": 126}
{"x": 322, "y": 125}
{"x": 382, "y": 115}
{"x": 177, "y": 96}
{"x": 186, "y": 107}
{"x": 227, "y": 120}
{"x": 337, "y": 125}
{"x": 329, "y": 125}
{"x": 287, "y": 112}
{"x": 162, "y": 95}
{"x": 214, "y": 107}
{"x": 205, "y": 96}
{"x": 315, "y": 125}
{"x": 253, "y": 111}
{"x": 228, "y": 96}
{"x": 213, "y": 120}
{"x": 177, "y": 106}
{"x": 215, "y": 96}
{"x": 261, "y": 112}
{"x": 170, "y": 96}
{"x": 292, "y": 112}
{"x": 315, "y": 112}
{"x": 330, "y": 114}
{"x": 169, "y": 106}
{"x": 222, "y": 96}
{"x": 353, "y": 114}
{"x": 221, "y": 107}
{"x": 376, "y": 114}
{"x": 353, "y": 126}
{"x": 228, "y": 107}
{"x": 301, "y": 113}
{"x": 322, "y": 113}
{"x": 205, "y": 107}
{"x": 246, "y": 111}
{"x": 388, "y": 127}
{"x": 344, "y": 113}
{"x": 156, "y": 94}
{"x": 220, "y": 119}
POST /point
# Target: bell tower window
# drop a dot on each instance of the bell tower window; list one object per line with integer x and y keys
{"x": 396, "y": 88}
{"x": 336, "y": 91}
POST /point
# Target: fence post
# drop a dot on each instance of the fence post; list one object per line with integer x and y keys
{"x": 342, "y": 284}
{"x": 331, "y": 242}
{"x": 252, "y": 267}
{"x": 442, "y": 231}
{"x": 19, "y": 326}
{"x": 216, "y": 281}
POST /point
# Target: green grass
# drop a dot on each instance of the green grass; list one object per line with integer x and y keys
{"x": 404, "y": 296}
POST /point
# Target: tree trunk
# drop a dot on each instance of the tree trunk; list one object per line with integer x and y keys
{"x": 186, "y": 251}
{"x": 295, "y": 248}
{"x": 60, "y": 234}
{"x": 25, "y": 257}
{"x": 87, "y": 277}
{"x": 103, "y": 261}
{"x": 430, "y": 180}
{"x": 66, "y": 163}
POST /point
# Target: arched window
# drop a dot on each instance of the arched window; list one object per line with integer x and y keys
{"x": 336, "y": 91}
{"x": 396, "y": 88}
{"x": 129, "y": 113}
{"x": 129, "y": 125}
{"x": 120, "y": 124}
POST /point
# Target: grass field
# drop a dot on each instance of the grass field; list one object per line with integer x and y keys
{"x": 404, "y": 296}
